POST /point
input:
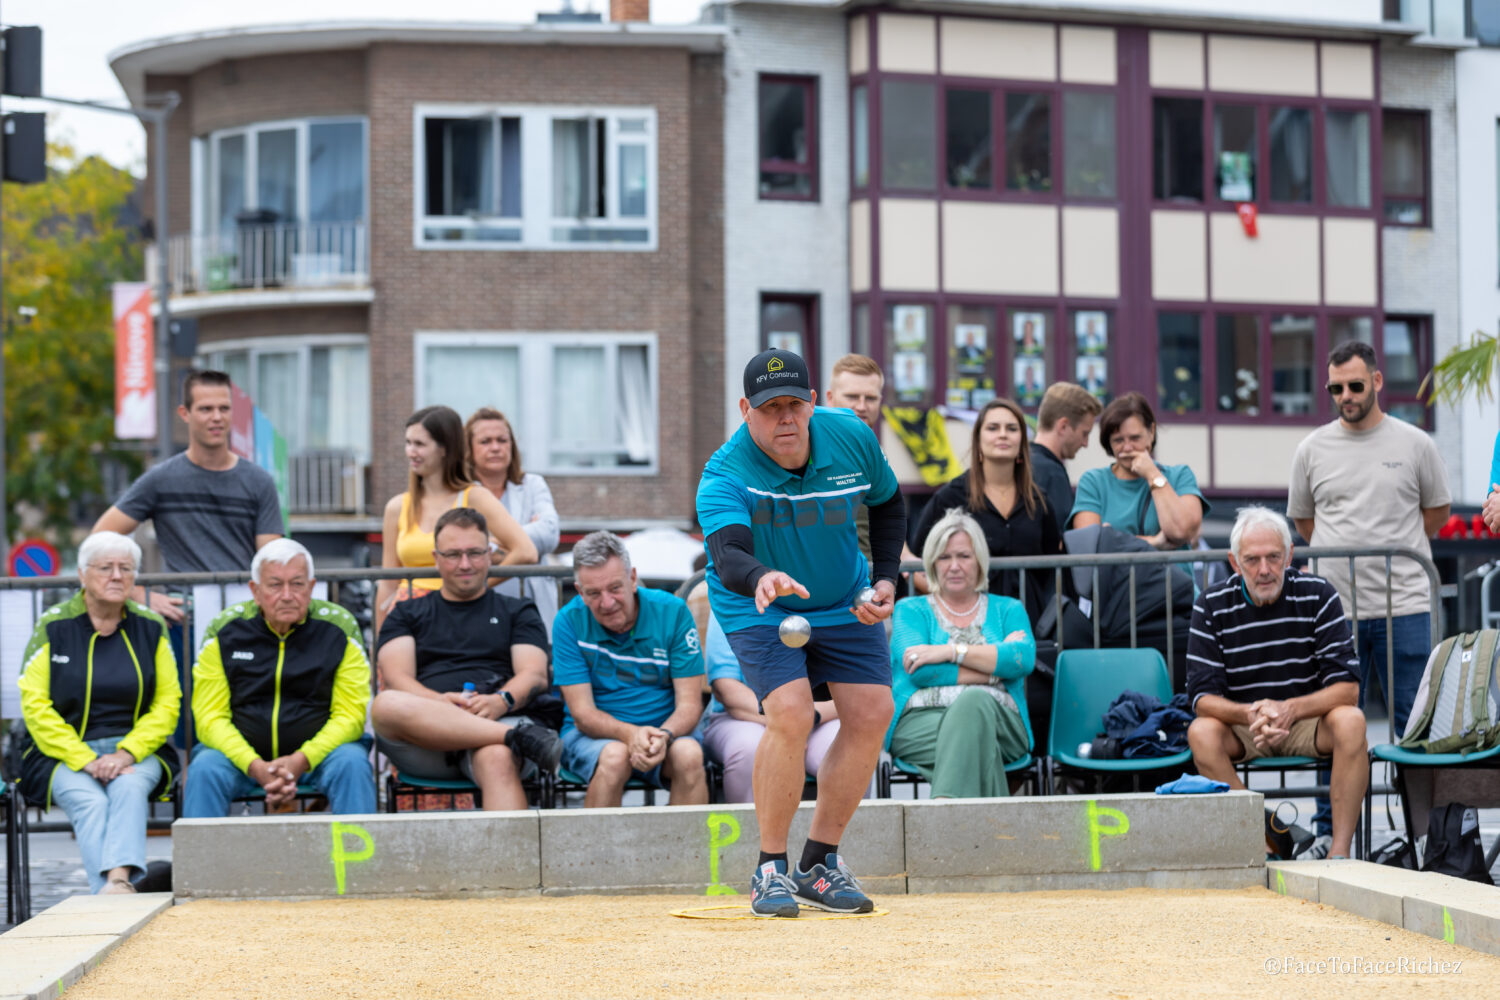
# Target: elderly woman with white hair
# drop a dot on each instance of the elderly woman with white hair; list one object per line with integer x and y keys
{"x": 959, "y": 660}
{"x": 100, "y": 697}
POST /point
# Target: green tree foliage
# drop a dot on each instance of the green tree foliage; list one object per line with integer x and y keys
{"x": 1465, "y": 371}
{"x": 64, "y": 242}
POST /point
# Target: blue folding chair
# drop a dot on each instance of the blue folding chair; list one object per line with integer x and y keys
{"x": 892, "y": 771}
{"x": 1087, "y": 681}
{"x": 1404, "y": 762}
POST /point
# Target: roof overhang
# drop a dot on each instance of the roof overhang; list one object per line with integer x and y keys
{"x": 187, "y": 53}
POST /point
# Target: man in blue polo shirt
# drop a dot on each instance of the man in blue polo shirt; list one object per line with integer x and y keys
{"x": 776, "y": 505}
{"x": 630, "y": 667}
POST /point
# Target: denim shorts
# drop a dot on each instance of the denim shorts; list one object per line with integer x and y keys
{"x": 838, "y": 654}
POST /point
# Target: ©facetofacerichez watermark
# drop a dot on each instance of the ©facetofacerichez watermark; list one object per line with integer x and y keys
{"x": 1405, "y": 965}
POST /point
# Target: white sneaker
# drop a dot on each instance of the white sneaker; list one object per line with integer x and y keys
{"x": 1318, "y": 849}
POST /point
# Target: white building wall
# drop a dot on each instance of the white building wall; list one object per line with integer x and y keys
{"x": 1478, "y": 85}
{"x": 784, "y": 246}
{"x": 1421, "y": 266}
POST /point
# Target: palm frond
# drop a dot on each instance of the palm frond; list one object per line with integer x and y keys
{"x": 1466, "y": 371}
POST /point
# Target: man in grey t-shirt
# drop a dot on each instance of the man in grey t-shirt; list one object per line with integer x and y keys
{"x": 1371, "y": 480}
{"x": 211, "y": 510}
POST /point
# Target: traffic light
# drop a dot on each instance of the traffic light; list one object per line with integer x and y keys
{"x": 25, "y": 133}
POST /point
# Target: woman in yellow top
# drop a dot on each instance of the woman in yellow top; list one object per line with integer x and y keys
{"x": 100, "y": 698}
{"x": 437, "y": 482}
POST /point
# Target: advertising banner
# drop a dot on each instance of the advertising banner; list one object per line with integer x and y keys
{"x": 135, "y": 362}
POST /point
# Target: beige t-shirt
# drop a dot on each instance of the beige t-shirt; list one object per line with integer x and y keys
{"x": 1368, "y": 489}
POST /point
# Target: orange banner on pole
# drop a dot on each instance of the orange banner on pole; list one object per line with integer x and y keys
{"x": 135, "y": 362}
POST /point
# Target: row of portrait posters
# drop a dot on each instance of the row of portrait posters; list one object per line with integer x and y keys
{"x": 971, "y": 381}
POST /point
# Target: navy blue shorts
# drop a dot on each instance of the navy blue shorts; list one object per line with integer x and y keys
{"x": 839, "y": 654}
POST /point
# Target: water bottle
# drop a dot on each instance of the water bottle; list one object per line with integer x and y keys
{"x": 469, "y": 690}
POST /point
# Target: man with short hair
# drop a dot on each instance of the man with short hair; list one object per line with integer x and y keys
{"x": 212, "y": 511}
{"x": 858, "y": 384}
{"x": 1271, "y": 671}
{"x": 629, "y": 663}
{"x": 430, "y": 647}
{"x": 1367, "y": 480}
{"x": 776, "y": 504}
{"x": 279, "y": 695}
{"x": 1064, "y": 422}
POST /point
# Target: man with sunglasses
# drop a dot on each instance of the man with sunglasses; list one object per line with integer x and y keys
{"x": 460, "y": 666}
{"x": 1367, "y": 480}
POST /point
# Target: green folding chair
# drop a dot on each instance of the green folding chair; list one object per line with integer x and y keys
{"x": 892, "y": 771}
{"x": 1405, "y": 761}
{"x": 1087, "y": 681}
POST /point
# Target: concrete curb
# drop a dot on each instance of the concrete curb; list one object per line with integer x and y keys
{"x": 1438, "y": 906}
{"x": 53, "y": 950}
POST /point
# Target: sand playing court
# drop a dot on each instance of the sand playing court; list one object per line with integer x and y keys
{"x": 1129, "y": 943}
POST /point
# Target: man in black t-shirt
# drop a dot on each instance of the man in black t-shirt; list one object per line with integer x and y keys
{"x": 1063, "y": 424}
{"x": 430, "y": 647}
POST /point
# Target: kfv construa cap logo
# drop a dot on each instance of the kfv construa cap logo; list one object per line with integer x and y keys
{"x": 775, "y": 365}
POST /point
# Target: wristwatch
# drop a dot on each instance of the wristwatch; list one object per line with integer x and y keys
{"x": 510, "y": 701}
{"x": 670, "y": 735}
{"x": 960, "y": 651}
{"x": 1158, "y": 482}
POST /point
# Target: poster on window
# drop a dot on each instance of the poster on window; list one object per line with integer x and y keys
{"x": 1091, "y": 332}
{"x": 911, "y": 375}
{"x": 1093, "y": 375}
{"x": 911, "y": 327}
{"x": 1234, "y": 177}
{"x": 784, "y": 340}
{"x": 1030, "y": 331}
{"x": 971, "y": 354}
{"x": 1031, "y": 380}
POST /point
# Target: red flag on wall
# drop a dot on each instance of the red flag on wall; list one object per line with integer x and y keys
{"x": 1247, "y": 218}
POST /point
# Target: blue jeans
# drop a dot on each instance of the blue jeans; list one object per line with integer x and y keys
{"x": 109, "y": 821}
{"x": 1412, "y": 643}
{"x": 344, "y": 776}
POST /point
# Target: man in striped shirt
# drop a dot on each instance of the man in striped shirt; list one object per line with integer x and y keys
{"x": 1272, "y": 671}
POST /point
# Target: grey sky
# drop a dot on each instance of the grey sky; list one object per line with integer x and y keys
{"x": 79, "y": 35}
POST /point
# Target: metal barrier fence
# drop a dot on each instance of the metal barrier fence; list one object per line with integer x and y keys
{"x": 218, "y": 590}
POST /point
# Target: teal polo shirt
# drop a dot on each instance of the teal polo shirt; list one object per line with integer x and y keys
{"x": 630, "y": 672}
{"x": 802, "y": 523}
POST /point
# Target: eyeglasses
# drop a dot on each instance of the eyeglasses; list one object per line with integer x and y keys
{"x": 458, "y": 555}
{"x": 1337, "y": 388}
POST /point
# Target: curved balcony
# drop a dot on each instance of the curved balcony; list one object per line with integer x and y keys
{"x": 266, "y": 265}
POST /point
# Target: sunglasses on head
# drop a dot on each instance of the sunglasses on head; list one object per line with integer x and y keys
{"x": 1337, "y": 388}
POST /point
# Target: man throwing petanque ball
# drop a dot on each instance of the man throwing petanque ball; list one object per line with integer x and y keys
{"x": 776, "y": 505}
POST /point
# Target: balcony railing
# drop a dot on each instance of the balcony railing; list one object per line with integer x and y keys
{"x": 274, "y": 255}
{"x": 326, "y": 482}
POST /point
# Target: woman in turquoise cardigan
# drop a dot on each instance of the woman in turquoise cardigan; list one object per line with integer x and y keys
{"x": 959, "y": 660}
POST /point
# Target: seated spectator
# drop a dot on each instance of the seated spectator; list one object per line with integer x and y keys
{"x": 1272, "y": 672}
{"x": 430, "y": 647}
{"x": 1063, "y": 424}
{"x": 959, "y": 660}
{"x": 99, "y": 696}
{"x": 279, "y": 695}
{"x": 1000, "y": 495}
{"x": 436, "y": 483}
{"x": 1159, "y": 503}
{"x": 734, "y": 723}
{"x": 630, "y": 668}
{"x": 494, "y": 459}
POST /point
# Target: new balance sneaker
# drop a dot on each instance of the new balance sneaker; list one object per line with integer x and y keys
{"x": 831, "y": 886}
{"x": 771, "y": 891}
{"x": 537, "y": 743}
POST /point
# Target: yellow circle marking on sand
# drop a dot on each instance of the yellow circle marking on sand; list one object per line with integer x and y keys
{"x": 741, "y": 911}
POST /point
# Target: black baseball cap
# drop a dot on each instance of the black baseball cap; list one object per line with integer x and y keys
{"x": 776, "y": 373}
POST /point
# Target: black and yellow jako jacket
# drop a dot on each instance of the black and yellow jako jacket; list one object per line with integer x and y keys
{"x": 259, "y": 694}
{"x": 69, "y": 695}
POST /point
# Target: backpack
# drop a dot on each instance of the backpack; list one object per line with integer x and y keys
{"x": 1457, "y": 707}
{"x": 1453, "y": 846}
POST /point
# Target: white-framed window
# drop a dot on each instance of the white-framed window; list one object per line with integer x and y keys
{"x": 312, "y": 170}
{"x": 580, "y": 403}
{"x": 535, "y": 178}
{"x": 315, "y": 390}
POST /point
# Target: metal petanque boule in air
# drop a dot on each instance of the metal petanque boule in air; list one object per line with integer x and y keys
{"x": 795, "y": 630}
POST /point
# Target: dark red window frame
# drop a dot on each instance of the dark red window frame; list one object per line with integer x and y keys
{"x": 1425, "y": 201}
{"x": 809, "y": 85}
